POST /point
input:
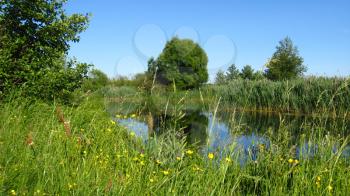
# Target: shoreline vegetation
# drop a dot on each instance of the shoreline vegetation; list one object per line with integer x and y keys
{"x": 326, "y": 97}
{"x": 60, "y": 134}
{"x": 39, "y": 157}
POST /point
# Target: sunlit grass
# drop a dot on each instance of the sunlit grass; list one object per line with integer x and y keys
{"x": 39, "y": 157}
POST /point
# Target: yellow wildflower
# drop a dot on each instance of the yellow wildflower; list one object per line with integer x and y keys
{"x": 211, "y": 156}
{"x": 296, "y": 161}
{"x": 133, "y": 116}
{"x": 151, "y": 180}
{"x": 166, "y": 172}
{"x": 38, "y": 191}
{"x": 189, "y": 152}
{"x": 118, "y": 116}
{"x": 132, "y": 134}
{"x": 13, "y": 192}
{"x": 290, "y": 160}
{"x": 228, "y": 160}
{"x": 318, "y": 178}
{"x": 178, "y": 158}
{"x": 142, "y": 163}
{"x": 112, "y": 122}
{"x": 158, "y": 162}
{"x": 329, "y": 188}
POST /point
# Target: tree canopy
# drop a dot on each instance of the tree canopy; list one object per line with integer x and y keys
{"x": 182, "y": 62}
{"x": 232, "y": 72}
{"x": 34, "y": 40}
{"x": 247, "y": 73}
{"x": 285, "y": 63}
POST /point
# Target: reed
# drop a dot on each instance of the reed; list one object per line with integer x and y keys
{"x": 100, "y": 157}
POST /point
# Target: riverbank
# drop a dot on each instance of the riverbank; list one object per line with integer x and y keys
{"x": 314, "y": 96}
{"x": 50, "y": 149}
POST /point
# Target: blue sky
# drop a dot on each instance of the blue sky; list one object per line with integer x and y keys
{"x": 123, "y": 34}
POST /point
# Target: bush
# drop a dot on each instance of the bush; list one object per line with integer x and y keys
{"x": 34, "y": 41}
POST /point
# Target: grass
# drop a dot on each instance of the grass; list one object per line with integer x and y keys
{"x": 310, "y": 95}
{"x": 305, "y": 96}
{"x": 80, "y": 151}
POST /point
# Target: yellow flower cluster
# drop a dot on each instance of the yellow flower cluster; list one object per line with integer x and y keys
{"x": 293, "y": 161}
{"x": 119, "y": 116}
{"x": 166, "y": 172}
{"x": 189, "y": 152}
{"x": 318, "y": 181}
{"x": 13, "y": 192}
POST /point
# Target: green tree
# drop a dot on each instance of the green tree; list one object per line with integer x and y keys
{"x": 232, "y": 73}
{"x": 96, "y": 80}
{"x": 259, "y": 75}
{"x": 247, "y": 73}
{"x": 34, "y": 41}
{"x": 220, "y": 77}
{"x": 183, "y": 62}
{"x": 285, "y": 63}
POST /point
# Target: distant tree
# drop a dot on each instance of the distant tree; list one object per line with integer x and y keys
{"x": 285, "y": 63}
{"x": 232, "y": 73}
{"x": 34, "y": 41}
{"x": 220, "y": 77}
{"x": 247, "y": 73}
{"x": 183, "y": 62}
{"x": 259, "y": 75}
{"x": 96, "y": 80}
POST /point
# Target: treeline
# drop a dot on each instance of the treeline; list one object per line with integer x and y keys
{"x": 285, "y": 64}
{"x": 233, "y": 73}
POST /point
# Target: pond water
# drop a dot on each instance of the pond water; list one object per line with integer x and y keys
{"x": 247, "y": 131}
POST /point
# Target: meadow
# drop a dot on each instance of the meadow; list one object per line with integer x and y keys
{"x": 48, "y": 149}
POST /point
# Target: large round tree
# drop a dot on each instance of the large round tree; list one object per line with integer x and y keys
{"x": 182, "y": 62}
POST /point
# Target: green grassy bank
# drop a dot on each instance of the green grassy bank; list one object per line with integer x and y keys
{"x": 59, "y": 150}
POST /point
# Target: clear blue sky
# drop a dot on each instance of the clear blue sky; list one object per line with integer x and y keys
{"x": 123, "y": 34}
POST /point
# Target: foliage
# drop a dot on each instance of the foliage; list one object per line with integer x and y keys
{"x": 247, "y": 73}
{"x": 182, "y": 62}
{"x": 86, "y": 162}
{"x": 34, "y": 39}
{"x": 232, "y": 73}
{"x": 285, "y": 63}
{"x": 96, "y": 80}
{"x": 220, "y": 77}
{"x": 304, "y": 95}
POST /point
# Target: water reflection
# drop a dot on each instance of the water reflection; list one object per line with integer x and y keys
{"x": 247, "y": 131}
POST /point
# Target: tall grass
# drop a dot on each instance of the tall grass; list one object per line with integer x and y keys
{"x": 99, "y": 157}
{"x": 309, "y": 95}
